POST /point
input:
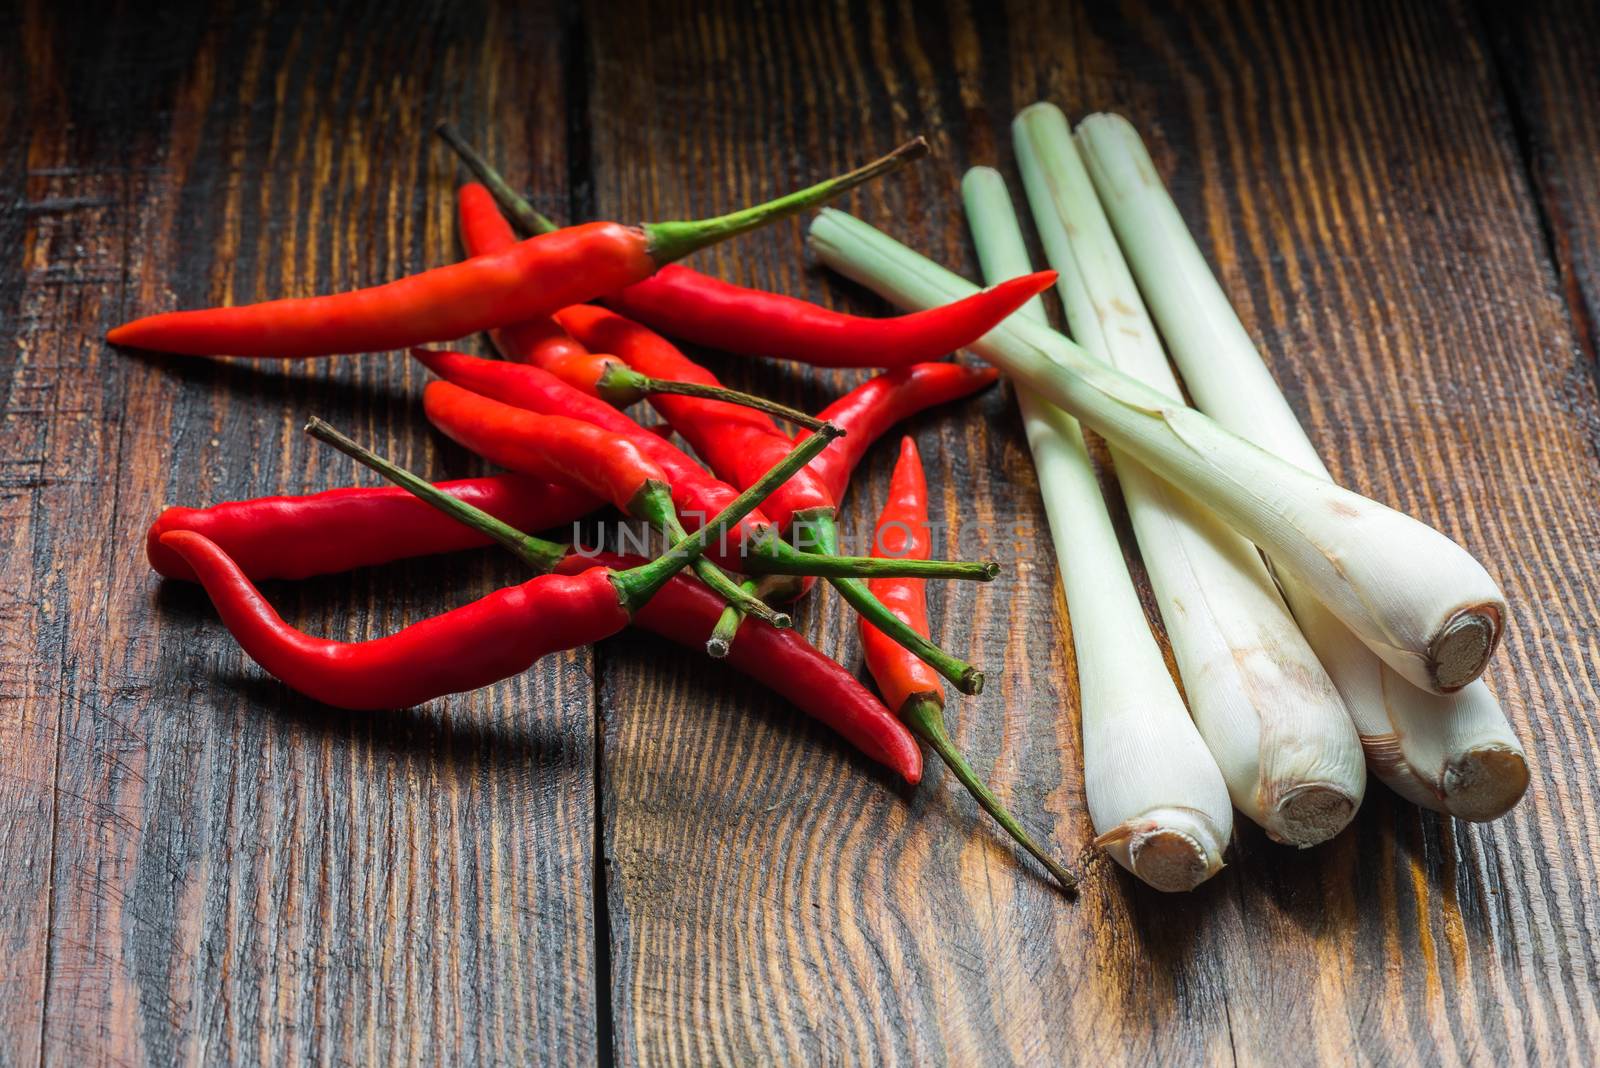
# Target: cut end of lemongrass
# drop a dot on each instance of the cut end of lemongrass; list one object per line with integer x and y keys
{"x": 1311, "y": 813}
{"x": 1461, "y": 650}
{"x": 1171, "y": 849}
{"x": 1169, "y": 860}
{"x": 1484, "y": 784}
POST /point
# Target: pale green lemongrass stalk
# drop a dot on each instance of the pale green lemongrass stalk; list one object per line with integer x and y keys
{"x": 1456, "y": 754}
{"x": 1415, "y": 597}
{"x": 1258, "y": 693}
{"x": 1156, "y": 798}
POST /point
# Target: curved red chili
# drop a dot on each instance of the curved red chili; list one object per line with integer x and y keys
{"x": 697, "y": 494}
{"x": 908, "y": 685}
{"x": 784, "y": 662}
{"x": 321, "y": 533}
{"x": 497, "y": 636}
{"x": 727, "y": 436}
{"x": 708, "y": 311}
{"x": 902, "y": 533}
{"x": 541, "y": 342}
{"x": 738, "y": 444}
{"x": 530, "y": 280}
{"x": 571, "y": 451}
{"x": 546, "y": 345}
{"x": 554, "y": 447}
{"x": 869, "y": 410}
{"x": 493, "y": 638}
{"x": 698, "y": 308}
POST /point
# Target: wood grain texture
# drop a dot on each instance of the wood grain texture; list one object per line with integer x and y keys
{"x": 197, "y": 867}
{"x": 1367, "y": 206}
{"x": 1548, "y": 55}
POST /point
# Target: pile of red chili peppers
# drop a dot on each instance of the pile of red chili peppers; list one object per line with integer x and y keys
{"x": 749, "y": 508}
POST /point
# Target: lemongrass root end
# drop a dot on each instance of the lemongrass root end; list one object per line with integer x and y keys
{"x": 1311, "y": 813}
{"x": 1170, "y": 860}
{"x": 1484, "y": 784}
{"x": 1171, "y": 849}
{"x": 1461, "y": 650}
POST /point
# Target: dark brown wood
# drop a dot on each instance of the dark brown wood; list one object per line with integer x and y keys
{"x": 1548, "y": 54}
{"x": 198, "y": 867}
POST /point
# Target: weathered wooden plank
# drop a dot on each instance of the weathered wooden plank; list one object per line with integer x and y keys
{"x": 1549, "y": 56}
{"x": 235, "y": 874}
{"x": 772, "y": 897}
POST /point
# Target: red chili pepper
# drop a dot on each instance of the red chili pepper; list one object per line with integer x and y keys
{"x": 737, "y": 442}
{"x": 695, "y": 492}
{"x": 493, "y": 638}
{"x": 297, "y": 537}
{"x": 558, "y": 448}
{"x": 530, "y": 280}
{"x": 727, "y": 436}
{"x": 546, "y": 345}
{"x": 541, "y": 342}
{"x": 698, "y": 308}
{"x": 902, "y": 533}
{"x": 908, "y": 685}
{"x": 784, "y": 662}
{"x": 507, "y": 632}
{"x": 869, "y": 410}
{"x": 570, "y": 451}
{"x": 751, "y": 546}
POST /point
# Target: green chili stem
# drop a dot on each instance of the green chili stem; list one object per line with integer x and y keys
{"x": 653, "y": 504}
{"x": 622, "y": 385}
{"x": 728, "y": 624}
{"x": 673, "y": 240}
{"x": 637, "y": 585}
{"x": 924, "y": 715}
{"x": 527, "y": 221}
{"x": 831, "y": 566}
{"x": 821, "y": 535}
{"x": 537, "y": 553}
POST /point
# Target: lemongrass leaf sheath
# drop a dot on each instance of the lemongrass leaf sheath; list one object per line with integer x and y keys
{"x": 1156, "y": 798}
{"x": 1258, "y": 694}
{"x": 1457, "y": 754}
{"x": 1415, "y": 597}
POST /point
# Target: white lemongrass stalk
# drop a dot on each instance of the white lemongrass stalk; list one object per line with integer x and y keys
{"x": 1261, "y": 698}
{"x": 1156, "y": 798}
{"x": 1415, "y": 597}
{"x": 1456, "y": 754}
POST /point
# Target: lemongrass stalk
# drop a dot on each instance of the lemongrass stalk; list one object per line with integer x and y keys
{"x": 1415, "y": 597}
{"x": 1259, "y": 695}
{"x": 1457, "y": 754}
{"x": 1156, "y": 798}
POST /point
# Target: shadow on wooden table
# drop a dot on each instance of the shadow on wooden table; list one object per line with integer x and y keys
{"x": 305, "y": 387}
{"x": 416, "y": 731}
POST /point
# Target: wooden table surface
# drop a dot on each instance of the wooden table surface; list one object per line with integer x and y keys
{"x": 628, "y": 855}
